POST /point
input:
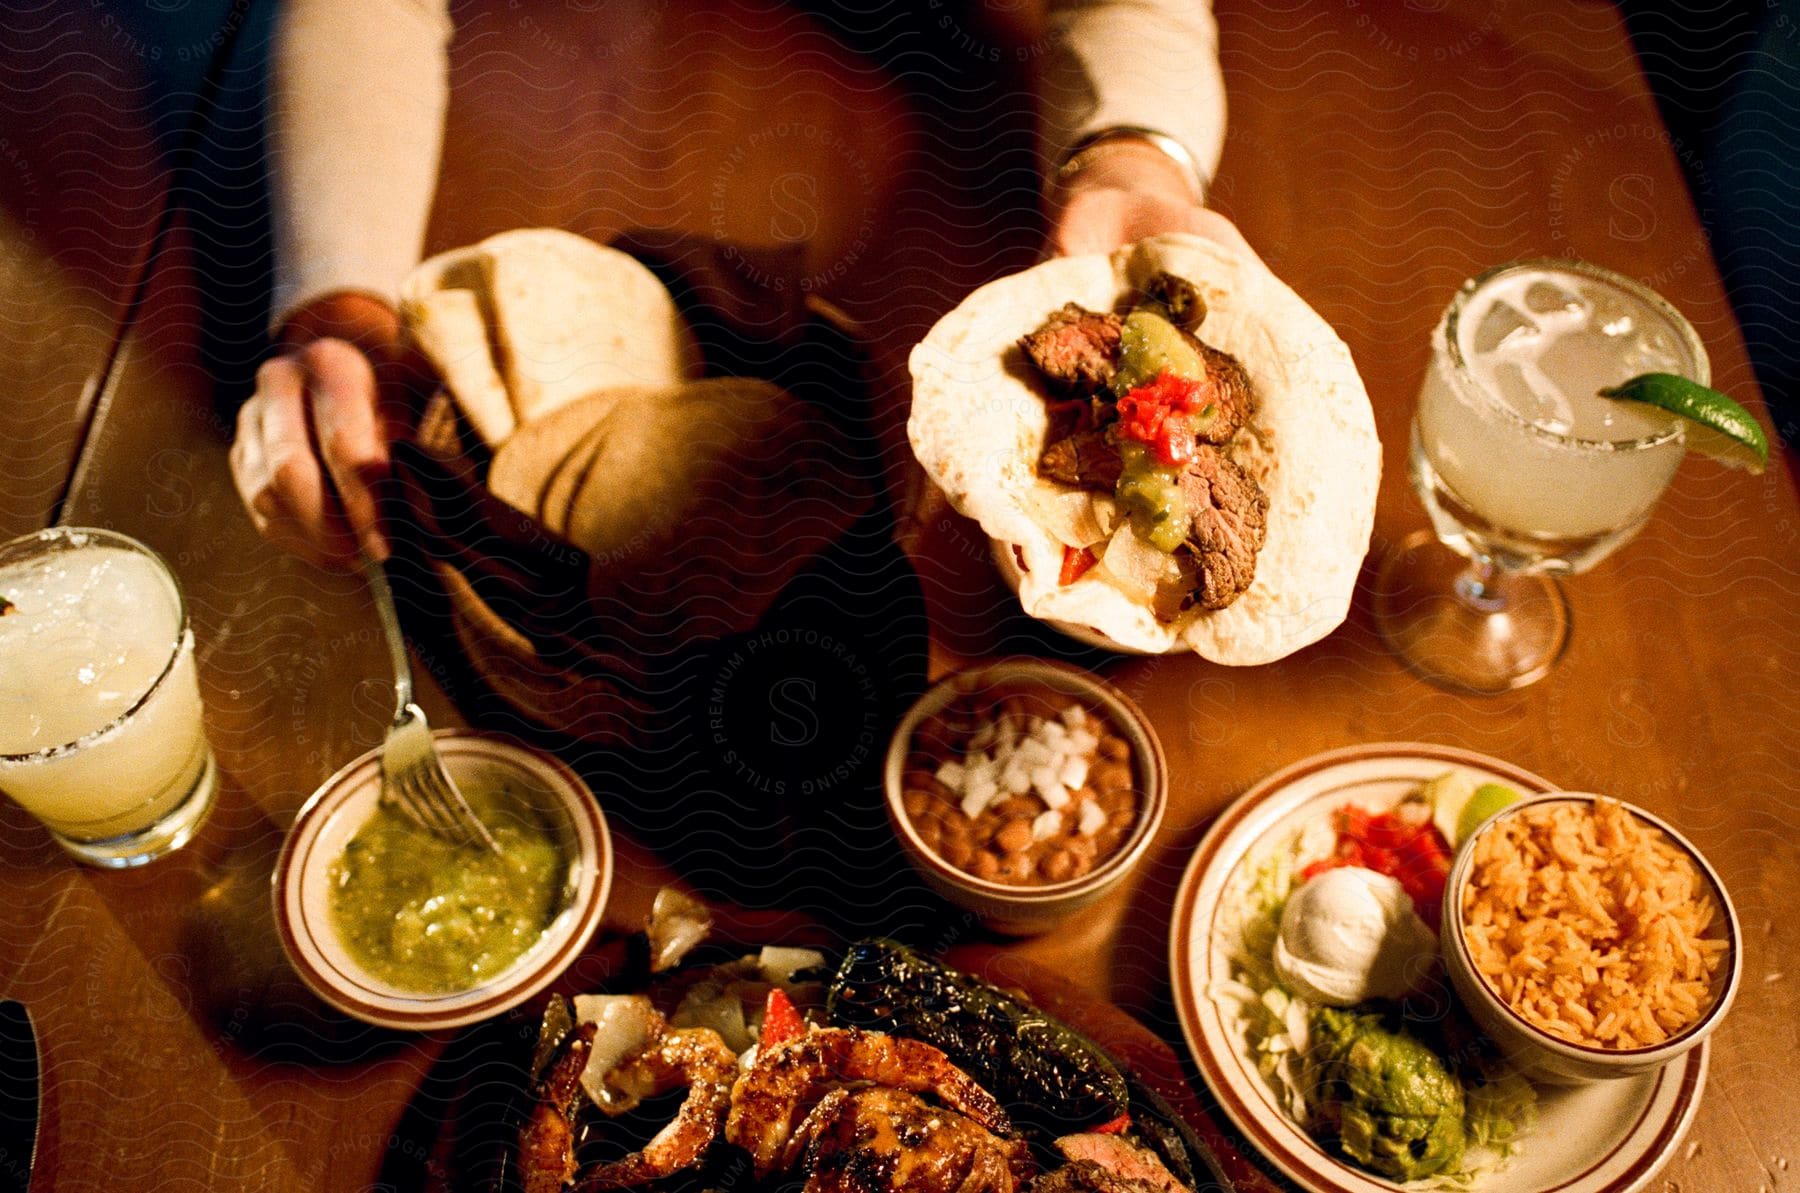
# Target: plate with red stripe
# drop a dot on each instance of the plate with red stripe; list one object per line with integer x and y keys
{"x": 1607, "y": 1137}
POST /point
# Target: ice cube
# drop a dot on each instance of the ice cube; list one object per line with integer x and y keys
{"x": 1548, "y": 298}
{"x": 1524, "y": 386}
{"x": 1504, "y": 328}
{"x": 1654, "y": 352}
{"x": 1611, "y": 316}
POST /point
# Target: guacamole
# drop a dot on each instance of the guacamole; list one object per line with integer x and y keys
{"x": 1396, "y": 1107}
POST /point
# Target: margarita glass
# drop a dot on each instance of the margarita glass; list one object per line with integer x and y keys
{"x": 100, "y": 718}
{"x": 1524, "y": 469}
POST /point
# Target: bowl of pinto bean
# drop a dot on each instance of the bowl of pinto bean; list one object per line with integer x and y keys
{"x": 1024, "y": 790}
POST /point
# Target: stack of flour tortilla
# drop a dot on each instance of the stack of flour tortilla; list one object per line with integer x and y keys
{"x": 696, "y": 500}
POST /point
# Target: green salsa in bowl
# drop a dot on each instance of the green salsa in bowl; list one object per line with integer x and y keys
{"x": 396, "y": 927}
{"x": 425, "y": 914}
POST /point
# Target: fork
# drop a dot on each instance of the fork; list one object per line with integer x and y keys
{"x": 413, "y": 777}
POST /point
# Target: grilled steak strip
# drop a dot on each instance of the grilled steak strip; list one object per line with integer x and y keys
{"x": 1230, "y": 522}
{"x": 1085, "y": 1176}
{"x": 1085, "y": 460}
{"x": 1076, "y": 349}
{"x": 1228, "y": 390}
{"x": 1124, "y": 1160}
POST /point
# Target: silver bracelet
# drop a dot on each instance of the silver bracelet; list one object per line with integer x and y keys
{"x": 1082, "y": 150}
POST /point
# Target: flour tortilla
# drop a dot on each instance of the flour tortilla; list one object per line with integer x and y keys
{"x": 978, "y": 422}
{"x": 448, "y": 327}
{"x": 560, "y": 317}
{"x": 571, "y": 317}
{"x": 701, "y": 502}
{"x": 527, "y": 463}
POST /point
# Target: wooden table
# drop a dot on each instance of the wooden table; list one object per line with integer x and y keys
{"x": 1377, "y": 156}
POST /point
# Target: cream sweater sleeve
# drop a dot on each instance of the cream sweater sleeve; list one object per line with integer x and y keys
{"x": 1143, "y": 63}
{"x": 356, "y": 124}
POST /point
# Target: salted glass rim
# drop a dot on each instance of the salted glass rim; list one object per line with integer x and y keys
{"x": 1449, "y": 342}
{"x": 73, "y": 538}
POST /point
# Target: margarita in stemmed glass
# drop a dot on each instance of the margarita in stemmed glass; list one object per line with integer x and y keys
{"x": 1525, "y": 470}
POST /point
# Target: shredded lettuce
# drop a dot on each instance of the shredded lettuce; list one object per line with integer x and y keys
{"x": 1271, "y": 1018}
{"x": 1500, "y": 1109}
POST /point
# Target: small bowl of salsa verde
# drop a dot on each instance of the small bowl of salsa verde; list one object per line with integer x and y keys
{"x": 396, "y": 927}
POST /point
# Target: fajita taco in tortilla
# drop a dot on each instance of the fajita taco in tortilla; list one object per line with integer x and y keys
{"x": 1173, "y": 449}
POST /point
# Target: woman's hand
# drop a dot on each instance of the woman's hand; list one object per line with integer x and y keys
{"x": 312, "y": 441}
{"x": 1125, "y": 190}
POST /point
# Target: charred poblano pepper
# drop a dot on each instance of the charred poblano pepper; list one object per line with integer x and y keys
{"x": 1048, "y": 1074}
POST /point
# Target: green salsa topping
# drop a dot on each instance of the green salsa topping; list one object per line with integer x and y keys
{"x": 1148, "y": 345}
{"x": 1150, "y": 495}
{"x": 430, "y": 916}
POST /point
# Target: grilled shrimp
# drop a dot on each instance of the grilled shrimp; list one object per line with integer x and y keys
{"x": 692, "y": 1056}
{"x": 547, "y": 1144}
{"x": 789, "y": 1079}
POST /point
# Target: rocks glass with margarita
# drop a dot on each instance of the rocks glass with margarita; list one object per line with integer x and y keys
{"x": 1525, "y": 470}
{"x": 100, "y": 717}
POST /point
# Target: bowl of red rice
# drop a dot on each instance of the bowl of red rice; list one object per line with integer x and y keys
{"x": 1588, "y": 938}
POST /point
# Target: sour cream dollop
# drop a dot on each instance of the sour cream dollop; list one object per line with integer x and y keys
{"x": 1350, "y": 934}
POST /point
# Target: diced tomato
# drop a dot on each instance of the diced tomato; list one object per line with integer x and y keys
{"x": 1423, "y": 851}
{"x": 1077, "y": 562}
{"x": 1407, "y": 849}
{"x": 1113, "y": 1126}
{"x": 1160, "y": 413}
{"x": 781, "y": 1022}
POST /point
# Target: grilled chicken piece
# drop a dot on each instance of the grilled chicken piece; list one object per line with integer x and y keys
{"x": 1231, "y": 514}
{"x": 1076, "y": 349}
{"x": 889, "y": 1141}
{"x": 1122, "y": 1158}
{"x": 1085, "y": 460}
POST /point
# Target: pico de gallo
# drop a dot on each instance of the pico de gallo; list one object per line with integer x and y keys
{"x": 1402, "y": 843}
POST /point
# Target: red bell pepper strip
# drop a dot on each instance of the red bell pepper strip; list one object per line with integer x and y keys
{"x": 781, "y": 1022}
{"x": 1077, "y": 562}
{"x": 1113, "y": 1126}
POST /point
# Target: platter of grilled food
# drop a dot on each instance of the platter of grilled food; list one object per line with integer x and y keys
{"x": 700, "y": 1062}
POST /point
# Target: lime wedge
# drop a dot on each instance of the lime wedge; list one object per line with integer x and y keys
{"x": 1489, "y": 798}
{"x": 1459, "y": 804}
{"x": 1717, "y": 425}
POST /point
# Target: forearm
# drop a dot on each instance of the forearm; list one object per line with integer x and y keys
{"x": 357, "y": 96}
{"x": 1133, "y": 63}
